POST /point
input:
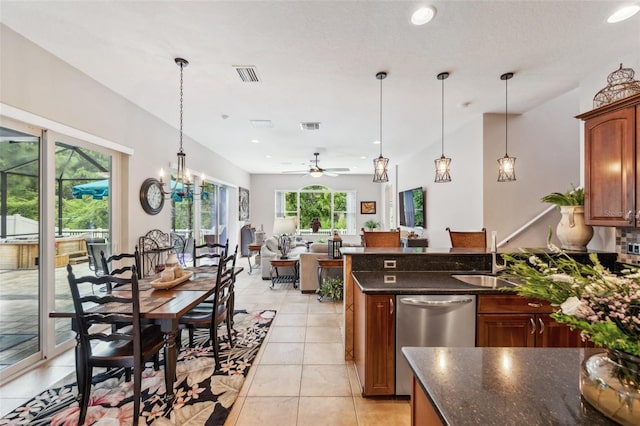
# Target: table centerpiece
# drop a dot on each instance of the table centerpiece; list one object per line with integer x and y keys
{"x": 605, "y": 307}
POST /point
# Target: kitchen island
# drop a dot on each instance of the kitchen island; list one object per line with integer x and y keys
{"x": 378, "y": 282}
{"x": 506, "y": 386}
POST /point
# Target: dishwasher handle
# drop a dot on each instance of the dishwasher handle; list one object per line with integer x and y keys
{"x": 426, "y": 304}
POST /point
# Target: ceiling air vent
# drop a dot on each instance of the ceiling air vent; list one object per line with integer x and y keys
{"x": 247, "y": 73}
{"x": 311, "y": 125}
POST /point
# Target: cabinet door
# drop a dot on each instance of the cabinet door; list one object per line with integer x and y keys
{"x": 506, "y": 330}
{"x": 610, "y": 169}
{"x": 551, "y": 334}
{"x": 380, "y": 346}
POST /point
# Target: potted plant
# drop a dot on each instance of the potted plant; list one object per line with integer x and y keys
{"x": 371, "y": 225}
{"x": 572, "y": 232}
{"x": 605, "y": 307}
{"x": 332, "y": 287}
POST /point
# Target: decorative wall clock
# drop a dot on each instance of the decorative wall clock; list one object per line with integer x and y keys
{"x": 151, "y": 196}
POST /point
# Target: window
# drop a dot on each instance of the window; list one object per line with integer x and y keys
{"x": 335, "y": 209}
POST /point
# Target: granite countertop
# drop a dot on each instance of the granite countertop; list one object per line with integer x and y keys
{"x": 515, "y": 386}
{"x": 448, "y": 250}
{"x": 418, "y": 282}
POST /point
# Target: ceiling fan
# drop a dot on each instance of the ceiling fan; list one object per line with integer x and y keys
{"x": 317, "y": 171}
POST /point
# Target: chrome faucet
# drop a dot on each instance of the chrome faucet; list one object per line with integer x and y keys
{"x": 495, "y": 267}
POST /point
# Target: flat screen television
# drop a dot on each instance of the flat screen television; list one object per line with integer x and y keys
{"x": 413, "y": 208}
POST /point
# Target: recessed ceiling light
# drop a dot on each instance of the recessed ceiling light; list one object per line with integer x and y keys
{"x": 255, "y": 141}
{"x": 423, "y": 15}
{"x": 363, "y": 157}
{"x": 376, "y": 142}
{"x": 268, "y": 156}
{"x": 623, "y": 13}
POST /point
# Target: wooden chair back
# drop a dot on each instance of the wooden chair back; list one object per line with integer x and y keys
{"x": 135, "y": 259}
{"x": 124, "y": 346}
{"x": 210, "y": 251}
{"x": 473, "y": 239}
{"x": 381, "y": 239}
{"x": 221, "y": 306}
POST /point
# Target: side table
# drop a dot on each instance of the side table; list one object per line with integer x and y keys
{"x": 327, "y": 263}
{"x": 254, "y": 249}
{"x": 277, "y": 278}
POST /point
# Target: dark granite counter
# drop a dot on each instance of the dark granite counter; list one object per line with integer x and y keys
{"x": 506, "y": 386}
{"x": 416, "y": 282}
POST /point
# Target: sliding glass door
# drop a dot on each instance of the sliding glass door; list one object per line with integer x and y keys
{"x": 54, "y": 204}
{"x": 20, "y": 266}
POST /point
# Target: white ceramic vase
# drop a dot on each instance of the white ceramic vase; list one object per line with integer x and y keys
{"x": 572, "y": 232}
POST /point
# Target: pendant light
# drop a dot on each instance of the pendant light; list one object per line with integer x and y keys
{"x": 182, "y": 186}
{"x": 442, "y": 163}
{"x": 507, "y": 165}
{"x": 380, "y": 164}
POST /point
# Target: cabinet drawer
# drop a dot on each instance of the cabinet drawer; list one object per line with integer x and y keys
{"x": 504, "y": 304}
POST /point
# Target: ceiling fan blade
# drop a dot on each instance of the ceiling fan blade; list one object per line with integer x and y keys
{"x": 295, "y": 172}
{"x": 337, "y": 169}
{"x": 330, "y": 174}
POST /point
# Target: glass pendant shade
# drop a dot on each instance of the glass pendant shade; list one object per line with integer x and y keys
{"x": 442, "y": 170}
{"x": 380, "y": 169}
{"x": 180, "y": 187}
{"x": 506, "y": 164}
{"x": 506, "y": 169}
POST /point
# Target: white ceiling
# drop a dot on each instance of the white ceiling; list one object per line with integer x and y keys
{"x": 318, "y": 60}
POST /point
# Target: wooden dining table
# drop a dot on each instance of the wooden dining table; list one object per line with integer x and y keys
{"x": 175, "y": 302}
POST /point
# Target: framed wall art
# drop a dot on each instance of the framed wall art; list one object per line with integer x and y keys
{"x": 243, "y": 203}
{"x": 367, "y": 207}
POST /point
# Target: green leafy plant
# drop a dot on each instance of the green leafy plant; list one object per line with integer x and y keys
{"x": 332, "y": 287}
{"x": 371, "y": 224}
{"x": 603, "y": 305}
{"x": 574, "y": 197}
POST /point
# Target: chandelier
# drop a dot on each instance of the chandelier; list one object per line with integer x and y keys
{"x": 182, "y": 187}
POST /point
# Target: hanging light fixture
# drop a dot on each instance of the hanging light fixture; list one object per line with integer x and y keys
{"x": 182, "y": 186}
{"x": 442, "y": 163}
{"x": 380, "y": 164}
{"x": 507, "y": 165}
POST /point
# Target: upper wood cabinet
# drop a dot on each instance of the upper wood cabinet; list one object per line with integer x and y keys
{"x": 612, "y": 175}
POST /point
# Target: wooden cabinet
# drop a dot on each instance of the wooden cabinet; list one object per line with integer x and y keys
{"x": 612, "y": 175}
{"x": 374, "y": 343}
{"x": 514, "y": 321}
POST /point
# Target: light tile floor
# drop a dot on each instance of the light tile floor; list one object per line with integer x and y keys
{"x": 299, "y": 376}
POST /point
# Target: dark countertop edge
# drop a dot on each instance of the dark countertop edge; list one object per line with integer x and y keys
{"x": 408, "y": 357}
{"x": 453, "y": 286}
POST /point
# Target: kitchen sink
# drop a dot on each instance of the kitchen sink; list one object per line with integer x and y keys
{"x": 487, "y": 281}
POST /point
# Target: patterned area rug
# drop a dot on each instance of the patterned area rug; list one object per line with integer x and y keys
{"x": 204, "y": 396}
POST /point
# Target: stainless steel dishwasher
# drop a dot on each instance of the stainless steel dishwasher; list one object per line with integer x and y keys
{"x": 431, "y": 320}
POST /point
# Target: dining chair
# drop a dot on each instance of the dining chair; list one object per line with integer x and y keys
{"x": 107, "y": 263}
{"x": 381, "y": 239}
{"x": 129, "y": 347}
{"x": 211, "y": 315}
{"x": 468, "y": 239}
{"x": 213, "y": 253}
